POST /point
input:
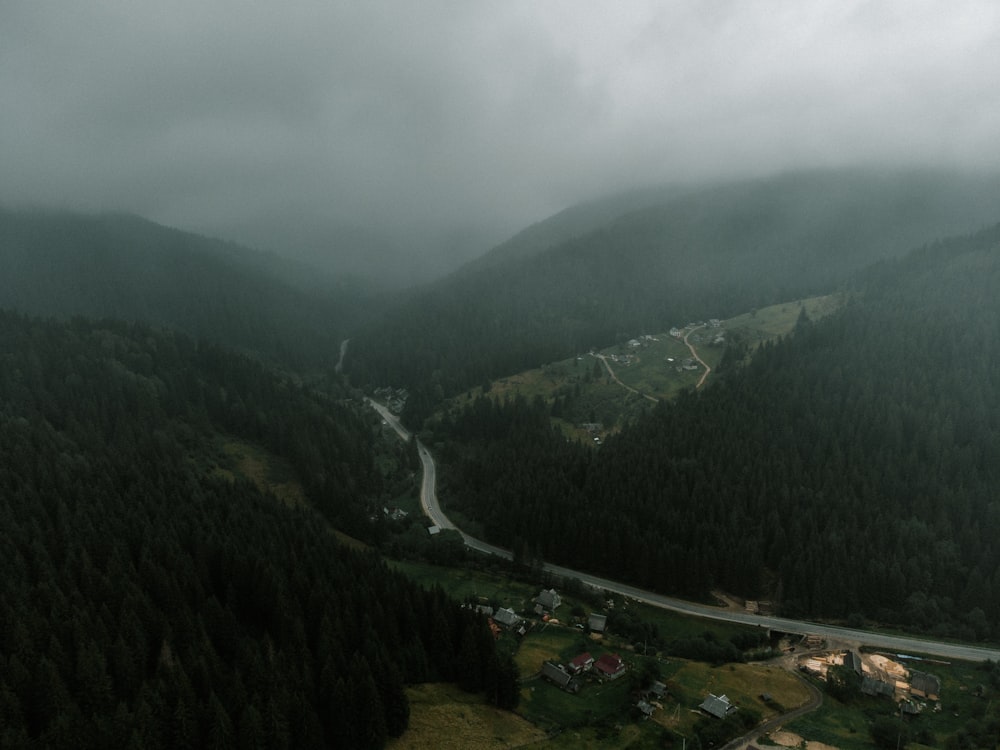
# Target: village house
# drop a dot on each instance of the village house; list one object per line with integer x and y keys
{"x": 610, "y": 666}
{"x": 718, "y": 706}
{"x": 582, "y": 663}
{"x": 506, "y": 617}
{"x": 547, "y": 600}
{"x": 556, "y": 674}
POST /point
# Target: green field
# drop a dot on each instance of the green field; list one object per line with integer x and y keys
{"x": 442, "y": 716}
{"x": 550, "y": 707}
{"x": 768, "y": 323}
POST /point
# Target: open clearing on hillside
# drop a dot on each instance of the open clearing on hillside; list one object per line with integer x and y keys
{"x": 769, "y": 323}
{"x": 442, "y": 716}
{"x": 269, "y": 473}
{"x": 580, "y": 391}
{"x": 543, "y": 644}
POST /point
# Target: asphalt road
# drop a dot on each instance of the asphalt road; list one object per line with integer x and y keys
{"x": 892, "y": 643}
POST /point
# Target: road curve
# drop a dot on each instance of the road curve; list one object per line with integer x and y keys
{"x": 775, "y": 722}
{"x": 343, "y": 352}
{"x": 894, "y": 643}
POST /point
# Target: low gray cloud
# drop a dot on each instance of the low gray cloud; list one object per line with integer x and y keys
{"x": 249, "y": 119}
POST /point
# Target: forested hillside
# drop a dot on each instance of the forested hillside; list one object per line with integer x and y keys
{"x": 848, "y": 471}
{"x": 711, "y": 253}
{"x": 149, "y": 602}
{"x": 116, "y": 266}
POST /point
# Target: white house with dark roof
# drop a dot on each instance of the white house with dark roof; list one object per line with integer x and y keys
{"x": 506, "y": 617}
{"x": 556, "y": 674}
{"x": 548, "y": 600}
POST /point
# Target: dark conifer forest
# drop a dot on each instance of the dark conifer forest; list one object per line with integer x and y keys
{"x": 848, "y": 470}
{"x": 148, "y": 602}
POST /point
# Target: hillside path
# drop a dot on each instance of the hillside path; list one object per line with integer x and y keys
{"x": 694, "y": 354}
{"x": 614, "y": 377}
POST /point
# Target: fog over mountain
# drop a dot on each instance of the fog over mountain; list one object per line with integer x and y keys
{"x": 418, "y": 135}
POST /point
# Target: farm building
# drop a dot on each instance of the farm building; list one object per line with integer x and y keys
{"x": 556, "y": 674}
{"x": 548, "y": 600}
{"x": 718, "y": 706}
{"x": 506, "y": 617}
{"x": 597, "y": 622}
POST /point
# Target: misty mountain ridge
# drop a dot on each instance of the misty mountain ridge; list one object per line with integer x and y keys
{"x": 711, "y": 252}
{"x": 122, "y": 266}
{"x": 379, "y": 258}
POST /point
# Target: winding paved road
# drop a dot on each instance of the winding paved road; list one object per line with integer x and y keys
{"x": 892, "y": 643}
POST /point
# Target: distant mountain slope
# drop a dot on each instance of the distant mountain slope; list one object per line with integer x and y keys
{"x": 850, "y": 469}
{"x": 714, "y": 252}
{"x": 573, "y": 222}
{"x": 62, "y": 264}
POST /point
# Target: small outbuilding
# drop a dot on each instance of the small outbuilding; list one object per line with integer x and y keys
{"x": 597, "y": 622}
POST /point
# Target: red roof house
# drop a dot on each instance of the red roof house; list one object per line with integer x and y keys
{"x": 581, "y": 663}
{"x": 610, "y": 666}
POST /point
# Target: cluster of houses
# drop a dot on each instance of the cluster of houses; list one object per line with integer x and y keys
{"x": 585, "y": 666}
{"x": 566, "y": 676}
{"x": 679, "y": 333}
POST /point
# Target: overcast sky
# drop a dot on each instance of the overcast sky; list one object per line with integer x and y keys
{"x": 416, "y": 114}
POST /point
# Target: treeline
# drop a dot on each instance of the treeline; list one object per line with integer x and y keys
{"x": 846, "y": 472}
{"x": 148, "y": 602}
